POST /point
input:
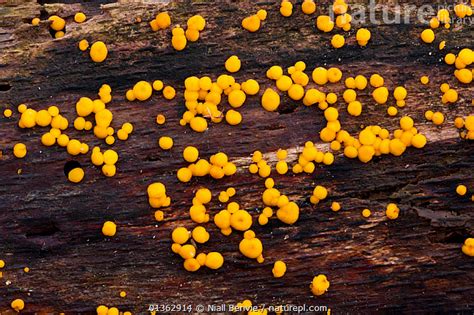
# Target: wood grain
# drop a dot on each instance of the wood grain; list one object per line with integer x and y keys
{"x": 413, "y": 264}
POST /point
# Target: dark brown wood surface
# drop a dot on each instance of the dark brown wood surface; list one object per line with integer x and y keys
{"x": 412, "y": 264}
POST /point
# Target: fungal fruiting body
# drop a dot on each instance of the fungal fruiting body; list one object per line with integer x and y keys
{"x": 468, "y": 247}
{"x": 250, "y": 246}
{"x": 392, "y": 211}
{"x": 363, "y": 36}
{"x": 252, "y": 23}
{"x": 157, "y": 197}
{"x": 178, "y": 40}
{"x": 98, "y": 51}
{"x": 17, "y": 305}
{"x": 161, "y": 21}
{"x": 109, "y": 228}
{"x": 319, "y": 285}
{"x": 279, "y": 269}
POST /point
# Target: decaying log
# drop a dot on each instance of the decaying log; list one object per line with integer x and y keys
{"x": 412, "y": 264}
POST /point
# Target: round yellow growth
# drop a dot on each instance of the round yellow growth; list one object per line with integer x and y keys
{"x": 363, "y": 36}
{"x": 200, "y": 234}
{"x": 418, "y": 141}
{"x": 296, "y": 92}
{"x": 169, "y": 92}
{"x": 286, "y": 8}
{"x": 187, "y": 251}
{"x": 337, "y": 41}
{"x": 184, "y": 174}
{"x": 165, "y": 143}
{"x": 319, "y": 285}
{"x": 109, "y": 228}
{"x": 424, "y": 80}
{"x": 142, "y": 90}
{"x": 98, "y": 51}
{"x": 335, "y": 206}
{"x": 178, "y": 40}
{"x": 180, "y": 235}
{"x": 17, "y": 305}
{"x": 160, "y": 119}
{"x": 308, "y": 6}
{"x": 251, "y": 23}
{"x": 163, "y": 20}
{"x": 190, "y": 154}
{"x": 428, "y": 36}
{"x": 437, "y": 118}
{"x": 236, "y": 98}
{"x": 75, "y": 175}
{"x": 198, "y": 124}
{"x": 214, "y": 260}
{"x": 241, "y": 220}
{"x": 251, "y": 247}
{"x": 19, "y": 150}
{"x": 35, "y": 21}
{"x": 354, "y": 108}
{"x": 79, "y": 17}
{"x": 468, "y": 246}
{"x": 392, "y": 211}
{"x": 7, "y": 113}
{"x": 250, "y": 87}
{"x": 279, "y": 269}
{"x": 2, "y": 263}
{"x": 262, "y": 15}
{"x": 324, "y": 23}
{"x": 159, "y": 215}
{"x": 57, "y": 23}
{"x": 83, "y": 44}
{"x": 461, "y": 190}
{"x": 366, "y": 213}
{"x": 270, "y": 100}
{"x": 233, "y": 64}
{"x": 233, "y": 117}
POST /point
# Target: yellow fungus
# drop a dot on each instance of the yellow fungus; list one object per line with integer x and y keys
{"x": 324, "y": 23}
{"x": 17, "y": 305}
{"x": 180, "y": 235}
{"x": 424, "y": 80}
{"x": 57, "y": 23}
{"x": 270, "y": 100}
{"x": 461, "y": 190}
{"x": 437, "y": 118}
{"x": 35, "y": 21}
{"x": 232, "y": 64}
{"x": 427, "y": 36}
{"x": 250, "y": 87}
{"x": 233, "y": 117}
{"x": 142, "y": 90}
{"x": 337, "y": 41}
{"x": 19, "y": 150}
{"x": 214, "y": 260}
{"x": 468, "y": 246}
{"x": 79, "y": 17}
{"x": 251, "y": 23}
{"x": 392, "y": 211}
{"x": 163, "y": 20}
{"x": 363, "y": 36}
{"x": 308, "y": 7}
{"x": 354, "y": 108}
{"x": 241, "y": 220}
{"x": 279, "y": 269}
{"x": 83, "y": 44}
{"x": 109, "y": 228}
{"x": 366, "y": 213}
{"x": 187, "y": 251}
{"x": 184, "y": 174}
{"x": 286, "y": 8}
{"x": 319, "y": 285}
{"x": 335, "y": 206}
{"x": 250, "y": 246}
{"x": 98, "y": 51}
{"x": 165, "y": 143}
{"x": 169, "y": 92}
{"x": 75, "y": 175}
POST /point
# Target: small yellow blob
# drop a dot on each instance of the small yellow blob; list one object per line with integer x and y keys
{"x": 319, "y": 285}
{"x": 279, "y": 269}
{"x": 79, "y": 17}
{"x": 233, "y": 64}
{"x": 109, "y": 228}
{"x": 19, "y": 150}
{"x": 98, "y": 51}
{"x": 17, "y": 305}
{"x": 75, "y": 175}
{"x": 83, "y": 44}
{"x": 366, "y": 213}
{"x": 461, "y": 190}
